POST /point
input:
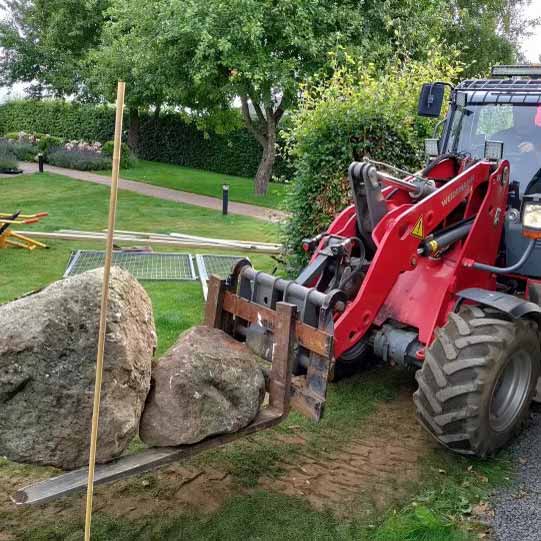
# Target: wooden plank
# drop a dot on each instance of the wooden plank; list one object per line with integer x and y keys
{"x": 214, "y": 304}
{"x": 157, "y": 241}
{"x": 309, "y": 337}
{"x": 193, "y": 237}
{"x": 280, "y": 380}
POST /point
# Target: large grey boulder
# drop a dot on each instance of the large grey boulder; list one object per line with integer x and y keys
{"x": 48, "y": 344}
{"x": 206, "y": 384}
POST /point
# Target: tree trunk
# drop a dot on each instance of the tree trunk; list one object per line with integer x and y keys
{"x": 265, "y": 135}
{"x": 133, "y": 130}
{"x": 264, "y": 171}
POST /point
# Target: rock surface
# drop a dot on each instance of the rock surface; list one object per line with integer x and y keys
{"x": 206, "y": 384}
{"x": 48, "y": 344}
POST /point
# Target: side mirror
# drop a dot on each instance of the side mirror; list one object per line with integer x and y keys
{"x": 431, "y": 100}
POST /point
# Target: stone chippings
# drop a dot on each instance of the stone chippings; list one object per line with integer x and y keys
{"x": 517, "y": 508}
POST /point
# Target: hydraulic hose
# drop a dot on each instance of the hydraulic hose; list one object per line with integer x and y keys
{"x": 512, "y": 268}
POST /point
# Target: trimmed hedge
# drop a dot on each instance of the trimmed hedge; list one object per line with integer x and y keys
{"x": 58, "y": 118}
{"x": 171, "y": 140}
{"x": 357, "y": 113}
{"x": 168, "y": 139}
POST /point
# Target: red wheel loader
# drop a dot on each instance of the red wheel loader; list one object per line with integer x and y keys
{"x": 437, "y": 271}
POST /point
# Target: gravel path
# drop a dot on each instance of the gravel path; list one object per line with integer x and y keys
{"x": 168, "y": 194}
{"x": 517, "y": 509}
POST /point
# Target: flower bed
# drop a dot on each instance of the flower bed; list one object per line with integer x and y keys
{"x": 80, "y": 159}
{"x": 81, "y": 155}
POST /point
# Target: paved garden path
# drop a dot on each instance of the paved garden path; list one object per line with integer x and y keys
{"x": 168, "y": 194}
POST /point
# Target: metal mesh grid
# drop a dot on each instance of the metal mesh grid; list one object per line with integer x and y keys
{"x": 142, "y": 265}
{"x": 214, "y": 264}
{"x": 220, "y": 264}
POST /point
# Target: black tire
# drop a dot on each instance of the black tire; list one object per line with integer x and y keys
{"x": 478, "y": 380}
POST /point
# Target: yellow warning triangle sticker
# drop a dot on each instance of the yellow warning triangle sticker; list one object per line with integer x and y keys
{"x": 418, "y": 230}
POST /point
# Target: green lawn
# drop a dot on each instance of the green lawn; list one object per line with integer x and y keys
{"x": 80, "y": 205}
{"x": 437, "y": 506}
{"x": 204, "y": 182}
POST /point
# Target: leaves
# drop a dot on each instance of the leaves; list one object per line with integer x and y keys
{"x": 360, "y": 111}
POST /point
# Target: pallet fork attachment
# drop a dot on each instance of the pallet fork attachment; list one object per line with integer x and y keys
{"x": 217, "y": 316}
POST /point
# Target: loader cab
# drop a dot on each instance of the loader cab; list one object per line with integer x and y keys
{"x": 516, "y": 125}
{"x": 504, "y": 109}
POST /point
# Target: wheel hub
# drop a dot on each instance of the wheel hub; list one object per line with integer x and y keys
{"x": 511, "y": 391}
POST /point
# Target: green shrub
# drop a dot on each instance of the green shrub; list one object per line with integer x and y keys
{"x": 79, "y": 159}
{"x": 7, "y": 159}
{"x": 170, "y": 139}
{"x": 127, "y": 157}
{"x": 47, "y": 143}
{"x": 356, "y": 113}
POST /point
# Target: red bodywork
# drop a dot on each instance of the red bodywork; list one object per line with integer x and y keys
{"x": 415, "y": 290}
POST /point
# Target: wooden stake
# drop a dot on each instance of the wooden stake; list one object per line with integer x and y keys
{"x": 104, "y": 303}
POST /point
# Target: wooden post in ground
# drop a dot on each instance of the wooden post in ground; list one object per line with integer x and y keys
{"x": 104, "y": 304}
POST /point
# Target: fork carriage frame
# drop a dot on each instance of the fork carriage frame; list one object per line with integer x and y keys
{"x": 247, "y": 306}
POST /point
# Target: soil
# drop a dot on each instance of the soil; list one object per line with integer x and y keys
{"x": 377, "y": 467}
{"x": 169, "y": 491}
{"x": 373, "y": 471}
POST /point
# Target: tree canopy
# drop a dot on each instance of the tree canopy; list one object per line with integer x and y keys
{"x": 44, "y": 42}
{"x": 206, "y": 55}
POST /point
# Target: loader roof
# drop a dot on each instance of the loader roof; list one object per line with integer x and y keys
{"x": 523, "y": 91}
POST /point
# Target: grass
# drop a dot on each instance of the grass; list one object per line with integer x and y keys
{"x": 79, "y": 205}
{"x": 201, "y": 182}
{"x": 444, "y": 507}
{"x": 440, "y": 512}
{"x": 440, "y": 504}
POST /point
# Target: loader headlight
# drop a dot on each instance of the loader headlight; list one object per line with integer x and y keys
{"x": 432, "y": 148}
{"x": 531, "y": 216}
{"x": 493, "y": 151}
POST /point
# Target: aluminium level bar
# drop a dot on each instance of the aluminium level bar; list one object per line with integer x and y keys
{"x": 148, "y": 460}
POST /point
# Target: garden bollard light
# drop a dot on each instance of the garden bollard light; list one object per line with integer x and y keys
{"x": 225, "y": 198}
{"x": 40, "y": 162}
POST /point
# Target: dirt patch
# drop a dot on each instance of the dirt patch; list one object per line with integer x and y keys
{"x": 371, "y": 472}
{"x": 377, "y": 466}
{"x": 170, "y": 491}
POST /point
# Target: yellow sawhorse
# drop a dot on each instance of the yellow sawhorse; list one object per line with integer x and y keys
{"x": 8, "y": 237}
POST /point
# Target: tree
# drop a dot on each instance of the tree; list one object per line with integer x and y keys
{"x": 487, "y": 32}
{"x": 142, "y": 66}
{"x": 45, "y": 41}
{"x": 257, "y": 51}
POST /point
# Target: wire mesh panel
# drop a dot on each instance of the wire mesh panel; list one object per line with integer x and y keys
{"x": 142, "y": 265}
{"x": 209, "y": 264}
